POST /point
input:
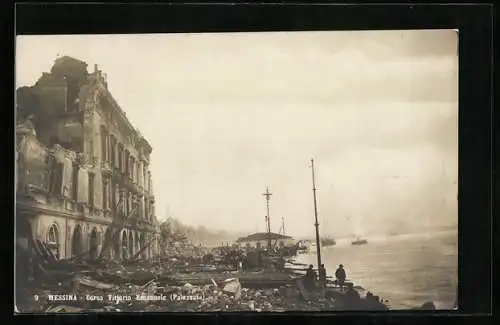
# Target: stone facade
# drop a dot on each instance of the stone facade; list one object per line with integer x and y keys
{"x": 83, "y": 176}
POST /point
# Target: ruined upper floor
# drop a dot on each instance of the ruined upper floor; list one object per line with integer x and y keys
{"x": 75, "y": 142}
{"x": 61, "y": 107}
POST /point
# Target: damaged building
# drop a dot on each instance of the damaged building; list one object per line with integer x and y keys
{"x": 83, "y": 184}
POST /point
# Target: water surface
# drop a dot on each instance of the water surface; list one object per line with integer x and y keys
{"x": 406, "y": 270}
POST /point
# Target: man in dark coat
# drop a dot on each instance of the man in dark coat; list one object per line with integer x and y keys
{"x": 340, "y": 276}
{"x": 322, "y": 276}
{"x": 310, "y": 278}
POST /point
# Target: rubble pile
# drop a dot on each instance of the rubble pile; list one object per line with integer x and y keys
{"x": 170, "y": 283}
{"x": 104, "y": 291}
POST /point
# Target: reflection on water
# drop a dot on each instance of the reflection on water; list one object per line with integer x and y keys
{"x": 406, "y": 270}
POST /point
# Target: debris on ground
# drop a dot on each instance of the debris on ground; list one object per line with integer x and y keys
{"x": 170, "y": 283}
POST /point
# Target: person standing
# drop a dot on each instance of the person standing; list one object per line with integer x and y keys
{"x": 340, "y": 276}
{"x": 310, "y": 278}
{"x": 322, "y": 276}
{"x": 282, "y": 264}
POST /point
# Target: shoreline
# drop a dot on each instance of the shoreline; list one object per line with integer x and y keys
{"x": 401, "y": 296}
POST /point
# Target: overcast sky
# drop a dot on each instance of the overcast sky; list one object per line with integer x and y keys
{"x": 229, "y": 113}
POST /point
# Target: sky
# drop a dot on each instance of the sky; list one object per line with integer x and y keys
{"x": 228, "y": 114}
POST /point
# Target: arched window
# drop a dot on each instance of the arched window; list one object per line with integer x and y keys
{"x": 125, "y": 247}
{"x": 52, "y": 240}
{"x": 130, "y": 244}
{"x": 77, "y": 242}
{"x": 94, "y": 245}
{"x": 52, "y": 236}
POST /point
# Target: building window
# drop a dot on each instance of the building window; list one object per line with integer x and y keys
{"x": 105, "y": 194}
{"x": 119, "y": 203}
{"x": 127, "y": 203}
{"x": 138, "y": 174}
{"x": 91, "y": 189}
{"x": 104, "y": 151}
{"x": 74, "y": 181}
{"x": 116, "y": 198}
{"x": 258, "y": 245}
{"x": 111, "y": 194}
{"x": 126, "y": 162}
{"x": 52, "y": 236}
{"x": 129, "y": 200}
{"x": 124, "y": 199}
{"x": 123, "y": 159}
{"x": 112, "y": 150}
{"x": 56, "y": 173}
{"x": 120, "y": 158}
{"x": 52, "y": 240}
{"x": 123, "y": 202}
{"x": 132, "y": 169}
{"x": 111, "y": 191}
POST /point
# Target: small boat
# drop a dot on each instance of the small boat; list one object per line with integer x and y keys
{"x": 359, "y": 242}
{"x": 328, "y": 242}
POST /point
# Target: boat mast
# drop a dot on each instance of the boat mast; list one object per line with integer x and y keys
{"x": 268, "y": 217}
{"x": 318, "y": 248}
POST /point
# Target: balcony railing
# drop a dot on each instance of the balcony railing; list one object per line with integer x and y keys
{"x": 117, "y": 175}
{"x": 106, "y": 167}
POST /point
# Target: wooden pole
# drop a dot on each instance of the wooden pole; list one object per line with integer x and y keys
{"x": 268, "y": 217}
{"x": 316, "y": 224}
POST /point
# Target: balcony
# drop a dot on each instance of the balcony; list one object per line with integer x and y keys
{"x": 117, "y": 175}
{"x": 107, "y": 213}
{"x": 106, "y": 168}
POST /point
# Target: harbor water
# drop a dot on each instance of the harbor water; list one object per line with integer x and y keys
{"x": 406, "y": 270}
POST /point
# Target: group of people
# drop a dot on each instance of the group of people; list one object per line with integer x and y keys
{"x": 311, "y": 278}
{"x": 351, "y": 299}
